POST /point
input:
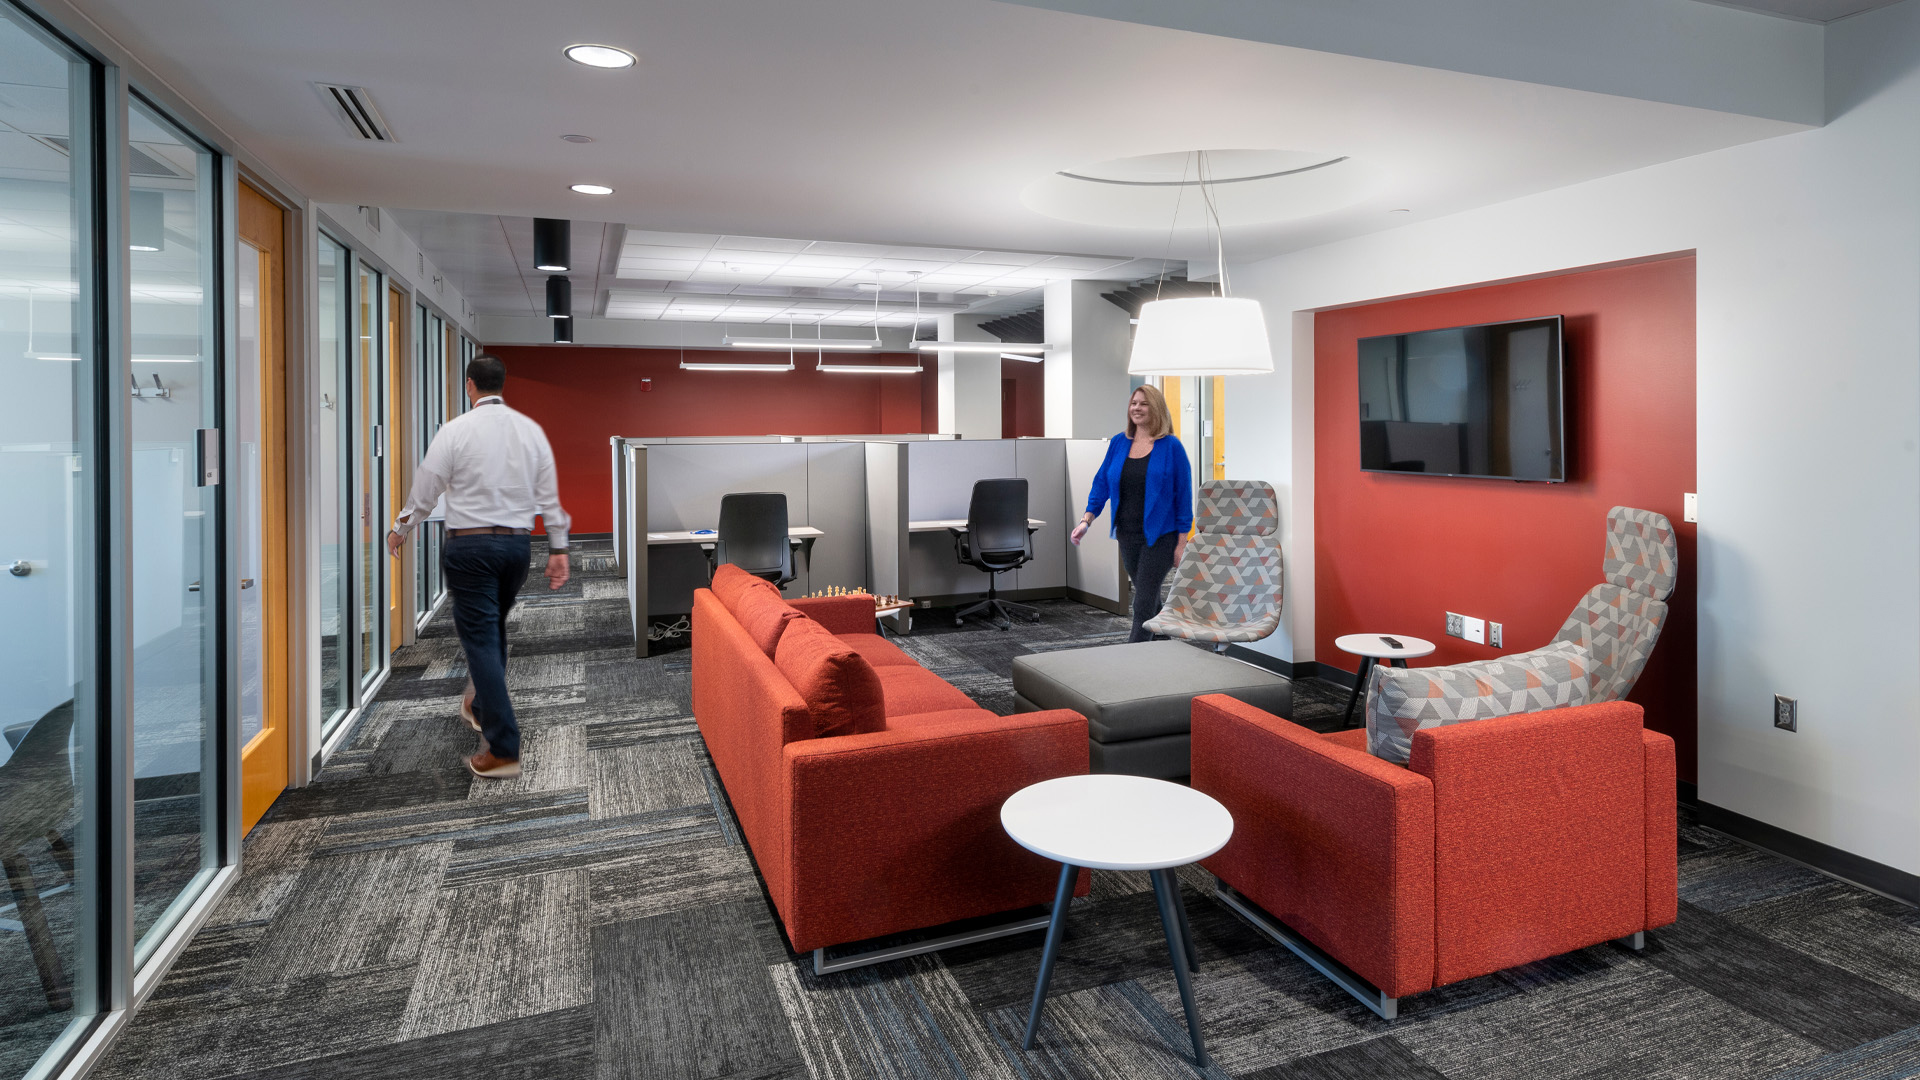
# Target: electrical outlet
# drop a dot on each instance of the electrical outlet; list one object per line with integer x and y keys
{"x": 1476, "y": 631}
{"x": 1786, "y": 712}
{"x": 1456, "y": 625}
{"x": 1495, "y": 637}
{"x": 1690, "y": 507}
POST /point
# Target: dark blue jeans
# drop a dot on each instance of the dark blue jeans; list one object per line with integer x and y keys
{"x": 484, "y": 575}
{"x": 1147, "y": 566}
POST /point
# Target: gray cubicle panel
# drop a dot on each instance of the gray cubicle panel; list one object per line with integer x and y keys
{"x": 617, "y": 444}
{"x": 1094, "y": 573}
{"x": 634, "y": 555}
{"x": 939, "y": 485}
{"x": 825, "y": 485}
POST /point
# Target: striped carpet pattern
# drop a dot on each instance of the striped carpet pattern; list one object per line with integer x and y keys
{"x": 600, "y": 918}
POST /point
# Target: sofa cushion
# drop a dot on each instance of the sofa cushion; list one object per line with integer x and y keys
{"x": 730, "y": 583}
{"x": 945, "y": 716}
{"x": 916, "y": 690}
{"x": 878, "y": 651}
{"x": 1401, "y": 701}
{"x": 841, "y": 690}
{"x": 763, "y": 615}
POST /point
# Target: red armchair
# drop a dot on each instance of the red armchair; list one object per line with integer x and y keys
{"x": 1502, "y": 842}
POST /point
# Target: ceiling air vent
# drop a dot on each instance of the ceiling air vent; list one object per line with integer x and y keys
{"x": 354, "y": 106}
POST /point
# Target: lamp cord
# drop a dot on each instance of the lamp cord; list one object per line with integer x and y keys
{"x": 1219, "y": 235}
{"x": 1179, "y": 193}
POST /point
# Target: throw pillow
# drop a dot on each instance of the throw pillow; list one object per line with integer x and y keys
{"x": 1401, "y": 701}
{"x": 730, "y": 583}
{"x": 764, "y": 616}
{"x": 841, "y": 690}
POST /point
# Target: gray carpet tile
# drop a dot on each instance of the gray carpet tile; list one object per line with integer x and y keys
{"x": 501, "y": 950}
{"x": 600, "y": 916}
{"x": 1829, "y": 1006}
{"x": 1382, "y": 1058}
{"x": 686, "y": 994}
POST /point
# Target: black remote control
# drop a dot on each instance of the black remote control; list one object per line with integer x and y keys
{"x": 1392, "y": 643}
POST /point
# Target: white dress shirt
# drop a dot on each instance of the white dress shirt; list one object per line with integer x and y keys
{"x": 495, "y": 467}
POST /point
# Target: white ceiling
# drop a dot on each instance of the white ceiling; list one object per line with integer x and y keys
{"x": 1808, "y": 10}
{"x": 887, "y": 122}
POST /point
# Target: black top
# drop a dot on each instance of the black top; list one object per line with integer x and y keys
{"x": 1130, "y": 509}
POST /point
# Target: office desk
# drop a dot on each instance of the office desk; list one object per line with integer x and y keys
{"x": 957, "y": 523}
{"x": 806, "y": 534}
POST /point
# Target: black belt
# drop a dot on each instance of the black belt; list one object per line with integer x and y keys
{"x": 490, "y": 530}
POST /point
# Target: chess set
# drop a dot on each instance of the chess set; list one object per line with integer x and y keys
{"x": 881, "y": 604}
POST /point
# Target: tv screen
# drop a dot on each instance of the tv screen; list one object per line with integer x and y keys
{"x": 1476, "y": 401}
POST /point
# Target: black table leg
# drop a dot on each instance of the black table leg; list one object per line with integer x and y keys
{"x": 1397, "y": 662}
{"x": 1166, "y": 889}
{"x": 1056, "y": 928}
{"x": 1359, "y": 684}
{"x": 1186, "y": 928}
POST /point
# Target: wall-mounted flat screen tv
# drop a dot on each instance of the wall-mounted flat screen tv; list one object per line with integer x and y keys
{"x": 1481, "y": 401}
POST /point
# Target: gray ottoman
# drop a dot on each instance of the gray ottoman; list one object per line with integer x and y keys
{"x": 1138, "y": 698}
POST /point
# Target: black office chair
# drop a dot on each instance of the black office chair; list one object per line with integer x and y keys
{"x": 36, "y": 795}
{"x": 753, "y": 536}
{"x": 996, "y": 540}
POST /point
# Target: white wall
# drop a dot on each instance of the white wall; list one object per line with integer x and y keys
{"x": 1086, "y": 370}
{"x": 1809, "y": 413}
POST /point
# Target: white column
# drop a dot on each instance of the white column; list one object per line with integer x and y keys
{"x": 969, "y": 383}
{"x": 1086, "y": 370}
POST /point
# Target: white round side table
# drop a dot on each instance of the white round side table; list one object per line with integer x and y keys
{"x": 1395, "y": 649}
{"x": 1108, "y": 821}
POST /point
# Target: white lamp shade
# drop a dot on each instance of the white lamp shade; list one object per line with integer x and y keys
{"x": 1201, "y": 335}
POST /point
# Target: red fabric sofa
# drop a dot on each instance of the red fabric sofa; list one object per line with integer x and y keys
{"x": 879, "y": 831}
{"x": 1502, "y": 842}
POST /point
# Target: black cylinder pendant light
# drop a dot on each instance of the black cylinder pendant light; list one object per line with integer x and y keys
{"x": 552, "y": 245}
{"x": 559, "y": 298}
{"x": 563, "y": 331}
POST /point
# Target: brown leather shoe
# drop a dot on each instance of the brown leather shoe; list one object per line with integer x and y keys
{"x": 488, "y": 767}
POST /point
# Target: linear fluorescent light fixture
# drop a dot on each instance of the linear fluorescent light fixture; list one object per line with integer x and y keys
{"x": 982, "y": 346}
{"x": 552, "y": 245}
{"x": 867, "y": 369}
{"x": 702, "y": 365}
{"x": 1023, "y": 358}
{"x": 810, "y": 344}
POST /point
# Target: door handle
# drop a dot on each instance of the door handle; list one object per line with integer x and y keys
{"x": 20, "y": 568}
{"x": 195, "y": 587}
{"x": 246, "y": 583}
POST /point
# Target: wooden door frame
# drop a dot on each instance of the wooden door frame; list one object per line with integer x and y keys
{"x": 399, "y": 476}
{"x": 263, "y": 224}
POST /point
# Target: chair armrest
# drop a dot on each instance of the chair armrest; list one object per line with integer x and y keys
{"x": 1663, "y": 831}
{"x": 1540, "y": 834}
{"x": 896, "y": 830}
{"x": 852, "y": 614}
{"x": 1334, "y": 842}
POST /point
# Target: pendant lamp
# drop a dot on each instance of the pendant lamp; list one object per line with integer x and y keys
{"x": 563, "y": 331}
{"x": 559, "y": 298}
{"x": 1202, "y": 335}
{"x": 552, "y": 244}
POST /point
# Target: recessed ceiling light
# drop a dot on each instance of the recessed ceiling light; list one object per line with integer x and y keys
{"x": 1401, "y": 210}
{"x": 577, "y": 138}
{"x": 601, "y": 56}
{"x": 593, "y": 189}
{"x": 870, "y": 286}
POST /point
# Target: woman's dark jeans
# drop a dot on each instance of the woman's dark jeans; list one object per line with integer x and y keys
{"x": 484, "y": 575}
{"x": 1147, "y": 566}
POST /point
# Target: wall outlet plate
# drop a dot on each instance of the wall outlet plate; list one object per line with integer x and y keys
{"x": 1456, "y": 625}
{"x": 1476, "y": 631}
{"x": 1495, "y": 635}
{"x": 1690, "y": 507}
{"x": 1786, "y": 712}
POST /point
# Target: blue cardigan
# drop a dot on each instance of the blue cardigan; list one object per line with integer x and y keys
{"x": 1169, "y": 486}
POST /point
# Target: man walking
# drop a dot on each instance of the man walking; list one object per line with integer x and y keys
{"x": 496, "y": 469}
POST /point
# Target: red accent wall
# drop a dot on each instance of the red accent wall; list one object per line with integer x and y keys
{"x": 1030, "y": 399}
{"x": 1393, "y": 554}
{"x": 583, "y": 396}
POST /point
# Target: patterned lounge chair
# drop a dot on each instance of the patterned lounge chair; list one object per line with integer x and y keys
{"x": 1228, "y": 587}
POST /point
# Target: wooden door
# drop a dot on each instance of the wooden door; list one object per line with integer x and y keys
{"x": 397, "y": 472}
{"x": 261, "y": 502}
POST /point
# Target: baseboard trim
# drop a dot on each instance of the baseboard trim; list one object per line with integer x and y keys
{"x": 1853, "y": 869}
{"x": 1101, "y": 602}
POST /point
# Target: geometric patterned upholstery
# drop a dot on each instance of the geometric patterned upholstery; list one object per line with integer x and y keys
{"x": 1229, "y": 584}
{"x": 1401, "y": 701}
{"x": 1641, "y": 554}
{"x": 1617, "y": 627}
{"x": 1237, "y": 507}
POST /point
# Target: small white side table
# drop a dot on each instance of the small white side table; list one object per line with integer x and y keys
{"x": 1375, "y": 647}
{"x": 1108, "y": 821}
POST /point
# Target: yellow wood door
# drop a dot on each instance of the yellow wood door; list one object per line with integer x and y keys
{"x": 261, "y": 376}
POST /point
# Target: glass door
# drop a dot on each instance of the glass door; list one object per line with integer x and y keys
{"x": 395, "y": 450}
{"x": 177, "y": 584}
{"x": 50, "y": 710}
{"x": 332, "y": 509}
{"x": 259, "y": 371}
{"x": 370, "y": 488}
